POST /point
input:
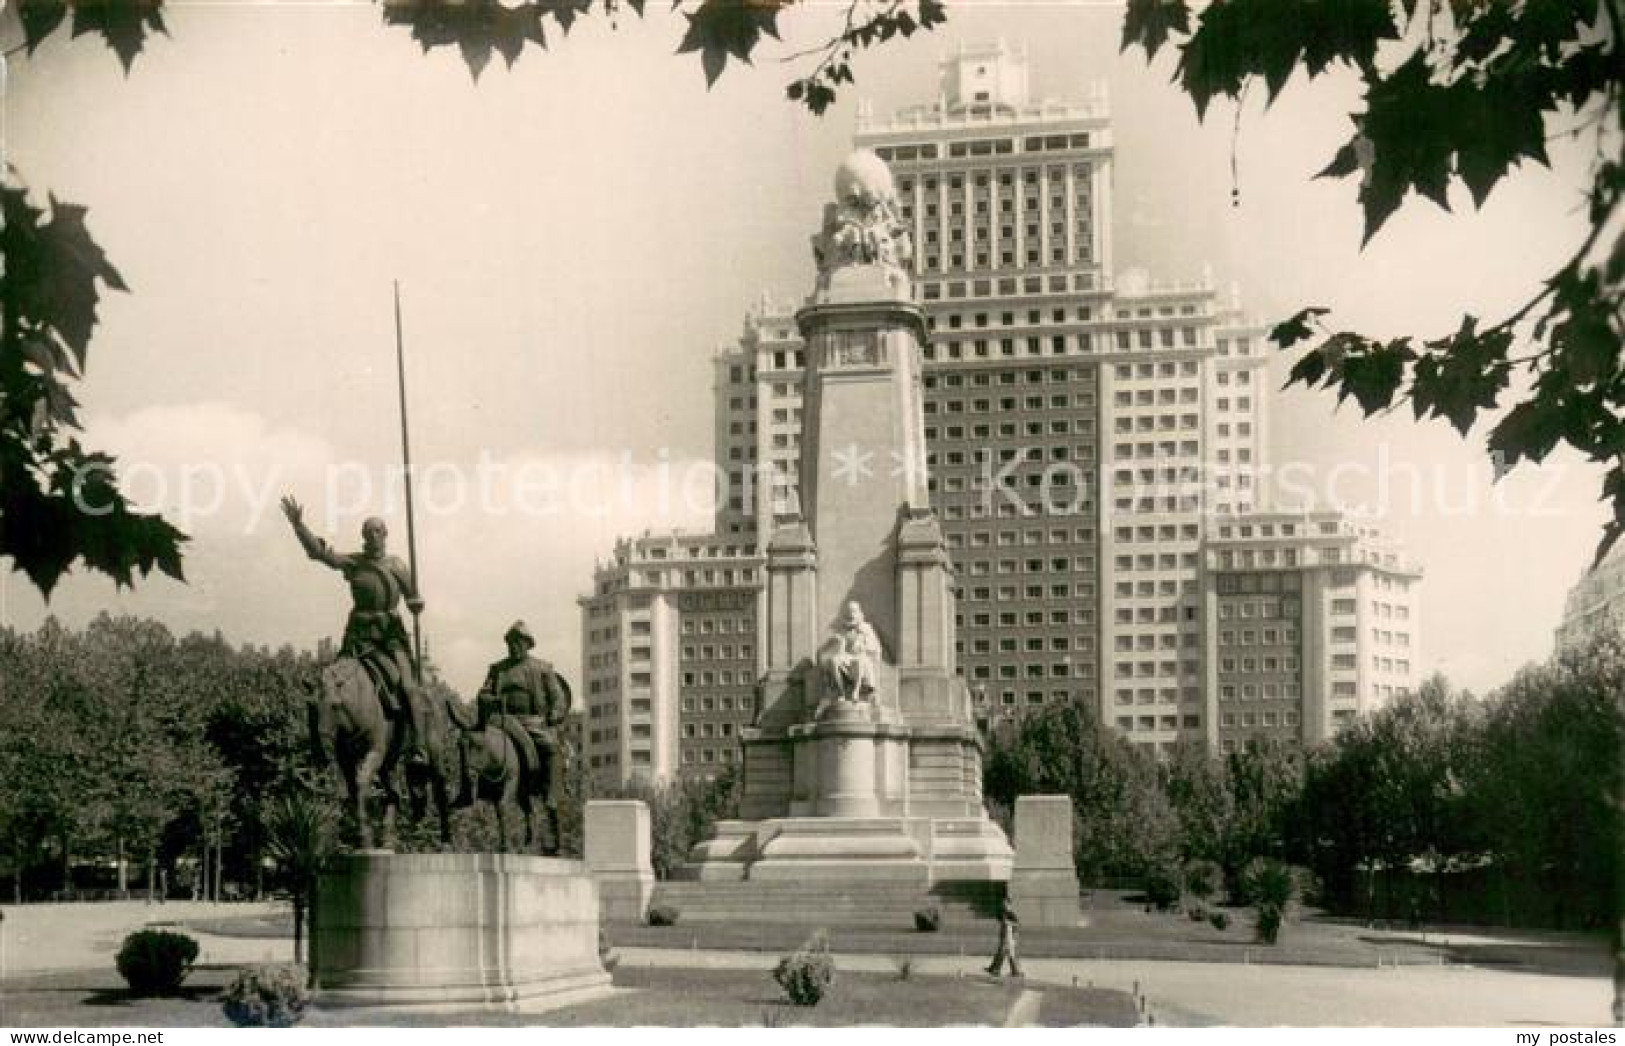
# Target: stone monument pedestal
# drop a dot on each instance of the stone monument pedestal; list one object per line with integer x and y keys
{"x": 1044, "y": 880}
{"x": 617, "y": 844}
{"x": 454, "y": 932}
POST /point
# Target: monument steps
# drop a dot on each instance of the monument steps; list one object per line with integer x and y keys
{"x": 825, "y": 903}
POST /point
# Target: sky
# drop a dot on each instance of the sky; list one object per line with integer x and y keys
{"x": 575, "y": 238}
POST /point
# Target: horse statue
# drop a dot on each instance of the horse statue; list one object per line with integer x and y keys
{"x": 490, "y": 767}
{"x": 351, "y": 731}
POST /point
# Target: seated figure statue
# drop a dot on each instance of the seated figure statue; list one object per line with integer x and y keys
{"x": 850, "y": 658}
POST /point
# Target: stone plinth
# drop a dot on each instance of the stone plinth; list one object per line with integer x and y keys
{"x": 879, "y": 849}
{"x": 617, "y": 844}
{"x": 454, "y": 932}
{"x": 1044, "y": 880}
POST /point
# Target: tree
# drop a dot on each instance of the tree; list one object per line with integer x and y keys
{"x": 1123, "y": 823}
{"x": 1391, "y": 794}
{"x": 1552, "y": 779}
{"x": 302, "y": 830}
{"x": 682, "y": 813}
{"x": 1263, "y": 779}
{"x": 1338, "y": 818}
{"x": 121, "y": 741}
{"x": 1195, "y": 784}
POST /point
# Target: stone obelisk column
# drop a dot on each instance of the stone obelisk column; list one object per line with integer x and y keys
{"x": 864, "y": 762}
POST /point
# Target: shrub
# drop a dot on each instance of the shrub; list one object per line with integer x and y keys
{"x": 1274, "y": 884}
{"x": 663, "y": 915}
{"x": 904, "y": 965}
{"x": 1162, "y": 888}
{"x": 154, "y": 962}
{"x": 1197, "y": 913}
{"x": 1273, "y": 889}
{"x": 806, "y": 973}
{"x": 1244, "y": 890}
{"x": 928, "y": 919}
{"x": 1204, "y": 879}
{"x": 266, "y": 997}
{"x": 1267, "y": 924}
{"x": 1219, "y": 920}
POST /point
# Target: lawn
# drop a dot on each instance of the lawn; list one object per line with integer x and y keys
{"x": 1116, "y": 928}
{"x": 99, "y": 999}
{"x": 644, "y": 996}
{"x": 728, "y": 998}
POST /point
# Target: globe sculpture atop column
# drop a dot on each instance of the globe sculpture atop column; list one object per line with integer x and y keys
{"x": 864, "y": 761}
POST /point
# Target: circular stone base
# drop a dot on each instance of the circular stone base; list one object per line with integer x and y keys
{"x": 443, "y": 932}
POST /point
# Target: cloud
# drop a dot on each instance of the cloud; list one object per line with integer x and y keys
{"x": 501, "y": 537}
{"x": 209, "y": 467}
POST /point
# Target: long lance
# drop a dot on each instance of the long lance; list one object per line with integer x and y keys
{"x": 406, "y": 460}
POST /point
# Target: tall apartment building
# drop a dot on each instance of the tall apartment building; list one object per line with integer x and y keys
{"x": 1069, "y": 416}
{"x": 1085, "y": 430}
{"x": 669, "y": 656}
{"x": 1596, "y": 602}
{"x": 1315, "y": 619}
{"x": 757, "y": 392}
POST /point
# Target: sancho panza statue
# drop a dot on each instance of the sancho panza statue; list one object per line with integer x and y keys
{"x": 850, "y": 658}
{"x": 374, "y": 632}
{"x": 530, "y": 702}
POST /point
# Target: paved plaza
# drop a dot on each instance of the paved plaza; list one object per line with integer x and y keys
{"x": 51, "y": 938}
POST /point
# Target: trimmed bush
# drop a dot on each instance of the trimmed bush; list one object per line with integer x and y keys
{"x": 663, "y": 915}
{"x": 928, "y": 919}
{"x": 1204, "y": 879}
{"x": 154, "y": 962}
{"x": 1219, "y": 920}
{"x": 1197, "y": 913}
{"x": 806, "y": 973}
{"x": 904, "y": 964}
{"x": 1162, "y": 888}
{"x": 272, "y": 996}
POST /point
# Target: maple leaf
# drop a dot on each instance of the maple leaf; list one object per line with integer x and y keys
{"x": 1295, "y": 328}
{"x": 720, "y": 28}
{"x": 1149, "y": 23}
{"x": 40, "y": 18}
{"x": 124, "y": 24}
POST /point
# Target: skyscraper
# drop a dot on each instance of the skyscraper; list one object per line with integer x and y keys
{"x": 1084, "y": 429}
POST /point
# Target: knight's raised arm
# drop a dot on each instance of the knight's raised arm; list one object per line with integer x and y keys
{"x": 314, "y": 546}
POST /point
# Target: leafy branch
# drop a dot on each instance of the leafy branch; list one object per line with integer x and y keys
{"x": 59, "y": 503}
{"x": 1462, "y": 94}
{"x": 818, "y": 89}
{"x": 717, "y": 30}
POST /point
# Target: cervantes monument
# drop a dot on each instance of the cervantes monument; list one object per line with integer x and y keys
{"x": 864, "y": 762}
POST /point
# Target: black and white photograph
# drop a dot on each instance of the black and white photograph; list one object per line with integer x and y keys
{"x": 753, "y": 514}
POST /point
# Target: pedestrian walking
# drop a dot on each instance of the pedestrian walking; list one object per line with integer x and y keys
{"x": 1007, "y": 942}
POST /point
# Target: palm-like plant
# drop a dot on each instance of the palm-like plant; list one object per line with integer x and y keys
{"x": 1275, "y": 890}
{"x": 302, "y": 831}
